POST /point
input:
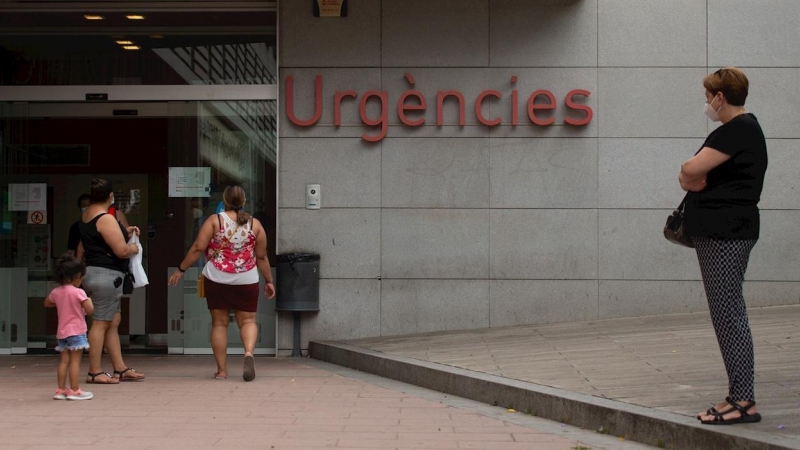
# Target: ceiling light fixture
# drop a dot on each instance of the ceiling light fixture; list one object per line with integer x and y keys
{"x": 156, "y": 36}
{"x": 93, "y": 17}
{"x": 125, "y": 42}
{"x": 135, "y": 17}
{"x": 131, "y": 47}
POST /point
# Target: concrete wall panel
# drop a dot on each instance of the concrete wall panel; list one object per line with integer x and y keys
{"x": 347, "y": 170}
{"x": 544, "y": 173}
{"x": 760, "y": 294}
{"x": 777, "y": 253}
{"x": 544, "y": 244}
{"x": 432, "y": 131}
{"x": 308, "y": 41}
{"x": 782, "y": 181}
{"x": 651, "y": 33}
{"x": 768, "y": 97}
{"x": 435, "y": 173}
{"x": 751, "y": 33}
{"x": 349, "y": 309}
{"x": 435, "y": 243}
{"x": 543, "y": 33}
{"x": 420, "y": 306}
{"x": 652, "y": 103}
{"x": 522, "y": 302}
{"x": 631, "y": 298}
{"x": 347, "y": 240}
{"x": 633, "y": 247}
{"x": 444, "y": 33}
{"x": 643, "y": 173}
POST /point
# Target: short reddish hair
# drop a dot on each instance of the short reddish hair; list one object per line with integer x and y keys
{"x": 731, "y": 81}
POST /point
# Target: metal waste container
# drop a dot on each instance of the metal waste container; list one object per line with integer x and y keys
{"x": 297, "y": 277}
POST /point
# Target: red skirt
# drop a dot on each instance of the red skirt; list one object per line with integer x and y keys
{"x": 239, "y": 297}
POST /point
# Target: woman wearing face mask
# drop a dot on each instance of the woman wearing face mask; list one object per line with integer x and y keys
{"x": 105, "y": 249}
{"x": 724, "y": 181}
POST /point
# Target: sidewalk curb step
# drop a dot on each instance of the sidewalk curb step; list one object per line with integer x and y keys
{"x": 637, "y": 423}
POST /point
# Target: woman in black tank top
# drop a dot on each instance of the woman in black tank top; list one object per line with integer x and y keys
{"x": 96, "y": 251}
{"x": 105, "y": 250}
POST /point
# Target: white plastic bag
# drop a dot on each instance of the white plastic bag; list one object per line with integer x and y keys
{"x": 139, "y": 277}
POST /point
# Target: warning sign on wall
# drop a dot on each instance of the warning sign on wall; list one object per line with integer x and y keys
{"x": 330, "y": 8}
{"x": 28, "y": 196}
{"x": 37, "y": 217}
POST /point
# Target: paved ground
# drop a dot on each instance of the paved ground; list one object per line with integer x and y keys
{"x": 669, "y": 363}
{"x": 294, "y": 403}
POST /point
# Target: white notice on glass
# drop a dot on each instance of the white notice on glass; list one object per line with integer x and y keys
{"x": 190, "y": 181}
{"x": 28, "y": 197}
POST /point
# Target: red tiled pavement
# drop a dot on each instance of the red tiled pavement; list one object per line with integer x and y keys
{"x": 292, "y": 404}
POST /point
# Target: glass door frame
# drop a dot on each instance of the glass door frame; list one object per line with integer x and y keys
{"x": 138, "y": 93}
{"x": 148, "y": 93}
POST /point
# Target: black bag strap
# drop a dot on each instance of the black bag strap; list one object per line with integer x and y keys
{"x": 683, "y": 203}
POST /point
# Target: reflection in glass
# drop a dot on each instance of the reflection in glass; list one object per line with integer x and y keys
{"x": 178, "y": 48}
{"x": 63, "y": 146}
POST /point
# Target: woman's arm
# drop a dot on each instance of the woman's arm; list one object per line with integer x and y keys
{"x": 49, "y": 303}
{"x": 123, "y": 219}
{"x": 695, "y": 170}
{"x": 108, "y": 227}
{"x": 79, "y": 251}
{"x": 261, "y": 258}
{"x": 198, "y": 248}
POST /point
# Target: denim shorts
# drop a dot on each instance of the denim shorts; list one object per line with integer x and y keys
{"x": 78, "y": 342}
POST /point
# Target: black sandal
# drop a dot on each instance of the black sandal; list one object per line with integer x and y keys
{"x": 711, "y": 411}
{"x": 92, "y": 377}
{"x": 744, "y": 417}
{"x": 129, "y": 369}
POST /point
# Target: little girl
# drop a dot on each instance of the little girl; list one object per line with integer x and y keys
{"x": 73, "y": 305}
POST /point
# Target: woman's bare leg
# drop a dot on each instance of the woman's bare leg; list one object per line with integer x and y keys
{"x": 219, "y": 339}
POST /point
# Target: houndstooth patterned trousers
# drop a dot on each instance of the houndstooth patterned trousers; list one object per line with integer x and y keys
{"x": 723, "y": 263}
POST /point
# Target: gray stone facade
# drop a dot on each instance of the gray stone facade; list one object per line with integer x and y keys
{"x": 457, "y": 227}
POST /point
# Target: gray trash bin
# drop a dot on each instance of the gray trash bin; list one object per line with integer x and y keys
{"x": 297, "y": 288}
{"x": 297, "y": 277}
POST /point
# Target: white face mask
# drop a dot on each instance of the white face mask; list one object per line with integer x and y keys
{"x": 197, "y": 213}
{"x": 112, "y": 199}
{"x": 711, "y": 112}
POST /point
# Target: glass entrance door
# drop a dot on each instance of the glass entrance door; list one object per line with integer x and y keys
{"x": 169, "y": 163}
{"x": 131, "y": 92}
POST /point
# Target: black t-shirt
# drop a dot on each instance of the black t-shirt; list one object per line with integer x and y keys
{"x": 74, "y": 237}
{"x": 96, "y": 252}
{"x": 727, "y": 207}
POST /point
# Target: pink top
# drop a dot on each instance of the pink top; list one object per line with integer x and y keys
{"x": 71, "y": 316}
{"x": 239, "y": 254}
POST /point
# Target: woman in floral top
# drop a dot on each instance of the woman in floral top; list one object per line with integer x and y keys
{"x": 235, "y": 246}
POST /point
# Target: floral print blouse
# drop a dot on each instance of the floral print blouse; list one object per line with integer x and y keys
{"x": 239, "y": 254}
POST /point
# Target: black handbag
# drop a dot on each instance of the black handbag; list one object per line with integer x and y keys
{"x": 675, "y": 229}
{"x": 127, "y": 284}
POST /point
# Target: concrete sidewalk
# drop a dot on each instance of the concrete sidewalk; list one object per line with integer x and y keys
{"x": 294, "y": 403}
{"x": 664, "y": 368}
